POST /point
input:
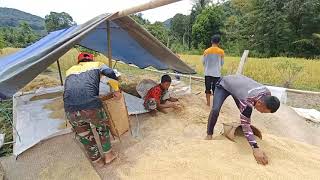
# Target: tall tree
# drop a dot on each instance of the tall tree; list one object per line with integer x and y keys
{"x": 208, "y": 22}
{"x": 139, "y": 19}
{"x": 56, "y": 21}
{"x": 26, "y": 35}
{"x": 2, "y": 42}
{"x": 197, "y": 7}
{"x": 266, "y": 29}
{"x": 304, "y": 19}
{"x": 179, "y": 27}
{"x": 158, "y": 30}
{"x": 201, "y": 4}
{"x": 18, "y": 37}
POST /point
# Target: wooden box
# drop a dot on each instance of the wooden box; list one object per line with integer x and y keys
{"x": 118, "y": 114}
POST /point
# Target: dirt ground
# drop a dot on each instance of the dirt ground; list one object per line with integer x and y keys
{"x": 308, "y": 101}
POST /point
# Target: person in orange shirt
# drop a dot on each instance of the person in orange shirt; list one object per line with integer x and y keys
{"x": 213, "y": 60}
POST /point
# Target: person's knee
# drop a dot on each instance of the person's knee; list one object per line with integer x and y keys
{"x": 208, "y": 92}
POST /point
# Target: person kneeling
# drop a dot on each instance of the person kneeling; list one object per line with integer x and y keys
{"x": 155, "y": 98}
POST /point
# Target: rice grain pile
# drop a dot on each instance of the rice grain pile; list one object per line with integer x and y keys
{"x": 41, "y": 81}
{"x": 171, "y": 146}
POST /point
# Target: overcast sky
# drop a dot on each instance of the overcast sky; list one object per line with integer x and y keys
{"x": 81, "y": 10}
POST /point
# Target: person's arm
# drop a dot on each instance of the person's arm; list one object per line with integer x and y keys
{"x": 245, "y": 124}
{"x": 245, "y": 117}
{"x": 105, "y": 70}
{"x": 203, "y": 60}
{"x": 165, "y": 105}
{"x": 173, "y": 99}
{"x": 222, "y": 60}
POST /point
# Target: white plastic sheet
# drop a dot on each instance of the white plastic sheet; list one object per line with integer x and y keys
{"x": 279, "y": 92}
{"x": 133, "y": 103}
{"x": 310, "y": 114}
{"x": 32, "y": 121}
{"x": 1, "y": 140}
{"x": 34, "y": 124}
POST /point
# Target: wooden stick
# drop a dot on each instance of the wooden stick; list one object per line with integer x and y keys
{"x": 61, "y": 81}
{"x": 149, "y": 5}
{"x": 243, "y": 61}
{"x": 302, "y": 92}
{"x": 109, "y": 44}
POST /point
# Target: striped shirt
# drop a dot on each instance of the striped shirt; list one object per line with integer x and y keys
{"x": 213, "y": 61}
{"x": 248, "y": 92}
{"x": 245, "y": 120}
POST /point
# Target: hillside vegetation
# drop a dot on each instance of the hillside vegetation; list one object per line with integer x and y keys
{"x": 12, "y": 18}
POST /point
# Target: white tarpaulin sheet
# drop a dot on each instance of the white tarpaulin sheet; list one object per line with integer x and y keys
{"x": 33, "y": 121}
{"x": 279, "y": 92}
{"x": 1, "y": 140}
{"x": 133, "y": 103}
{"x": 177, "y": 88}
{"x": 310, "y": 114}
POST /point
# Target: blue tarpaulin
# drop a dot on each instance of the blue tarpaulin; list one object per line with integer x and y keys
{"x": 130, "y": 43}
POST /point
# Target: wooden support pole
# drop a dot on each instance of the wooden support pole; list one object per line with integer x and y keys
{"x": 109, "y": 44}
{"x": 243, "y": 61}
{"x": 61, "y": 81}
{"x": 142, "y": 7}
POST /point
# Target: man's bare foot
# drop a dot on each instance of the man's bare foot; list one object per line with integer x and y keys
{"x": 208, "y": 104}
{"x": 109, "y": 157}
{"x": 99, "y": 164}
{"x": 208, "y": 137}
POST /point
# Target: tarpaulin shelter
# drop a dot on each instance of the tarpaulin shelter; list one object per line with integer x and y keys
{"x": 129, "y": 42}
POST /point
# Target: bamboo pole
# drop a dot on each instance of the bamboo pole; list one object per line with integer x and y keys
{"x": 109, "y": 44}
{"x": 61, "y": 81}
{"x": 302, "y": 91}
{"x": 243, "y": 61}
{"x": 146, "y": 6}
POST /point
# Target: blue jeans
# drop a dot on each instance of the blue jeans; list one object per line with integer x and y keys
{"x": 220, "y": 95}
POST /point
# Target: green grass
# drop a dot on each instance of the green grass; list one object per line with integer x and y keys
{"x": 6, "y": 127}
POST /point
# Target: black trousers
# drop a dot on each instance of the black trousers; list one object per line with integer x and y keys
{"x": 210, "y": 83}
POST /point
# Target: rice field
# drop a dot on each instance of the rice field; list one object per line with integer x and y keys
{"x": 264, "y": 70}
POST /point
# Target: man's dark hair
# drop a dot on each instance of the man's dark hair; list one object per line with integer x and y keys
{"x": 272, "y": 103}
{"x": 215, "y": 39}
{"x": 165, "y": 78}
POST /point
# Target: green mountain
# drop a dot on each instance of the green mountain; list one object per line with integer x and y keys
{"x": 12, "y": 17}
{"x": 167, "y": 23}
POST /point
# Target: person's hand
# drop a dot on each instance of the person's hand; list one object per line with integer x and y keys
{"x": 260, "y": 156}
{"x": 175, "y": 105}
{"x": 174, "y": 99}
{"x": 117, "y": 95}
